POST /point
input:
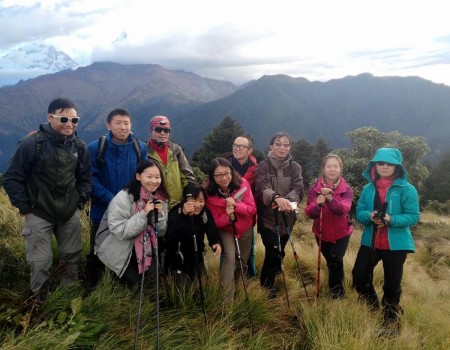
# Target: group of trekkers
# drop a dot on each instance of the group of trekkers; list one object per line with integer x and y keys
{"x": 145, "y": 204}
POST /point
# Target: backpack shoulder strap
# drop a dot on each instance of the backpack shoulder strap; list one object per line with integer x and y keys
{"x": 100, "y": 159}
{"x": 38, "y": 146}
{"x": 137, "y": 149}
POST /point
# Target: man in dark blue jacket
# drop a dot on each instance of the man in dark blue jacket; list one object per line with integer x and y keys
{"x": 49, "y": 179}
{"x": 114, "y": 158}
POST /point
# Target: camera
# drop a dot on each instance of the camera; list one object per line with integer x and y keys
{"x": 380, "y": 213}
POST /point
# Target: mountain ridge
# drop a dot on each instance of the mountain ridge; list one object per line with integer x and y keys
{"x": 306, "y": 109}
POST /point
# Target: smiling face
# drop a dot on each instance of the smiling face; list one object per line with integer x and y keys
{"x": 241, "y": 149}
{"x": 199, "y": 203}
{"x": 150, "y": 178}
{"x": 332, "y": 170}
{"x": 222, "y": 177}
{"x": 63, "y": 129}
{"x": 281, "y": 147}
{"x": 120, "y": 127}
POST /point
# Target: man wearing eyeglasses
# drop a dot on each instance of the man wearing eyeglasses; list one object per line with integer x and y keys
{"x": 114, "y": 158}
{"x": 169, "y": 155}
{"x": 245, "y": 164}
{"x": 49, "y": 180}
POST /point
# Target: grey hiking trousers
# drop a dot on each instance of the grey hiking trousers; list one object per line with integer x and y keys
{"x": 38, "y": 234}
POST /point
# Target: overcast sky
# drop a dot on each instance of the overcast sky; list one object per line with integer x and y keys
{"x": 246, "y": 39}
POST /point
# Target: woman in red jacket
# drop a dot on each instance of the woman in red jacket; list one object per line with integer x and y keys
{"x": 329, "y": 202}
{"x": 231, "y": 202}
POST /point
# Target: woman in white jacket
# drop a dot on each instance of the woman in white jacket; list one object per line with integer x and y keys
{"x": 127, "y": 234}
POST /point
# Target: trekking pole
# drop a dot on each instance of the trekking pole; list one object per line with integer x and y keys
{"x": 158, "y": 333}
{"x": 238, "y": 251}
{"x": 284, "y": 216}
{"x": 197, "y": 261}
{"x": 280, "y": 254}
{"x": 319, "y": 255}
{"x": 144, "y": 250}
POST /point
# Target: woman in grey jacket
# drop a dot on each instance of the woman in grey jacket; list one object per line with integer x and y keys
{"x": 120, "y": 240}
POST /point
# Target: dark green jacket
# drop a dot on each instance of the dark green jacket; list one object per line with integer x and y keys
{"x": 51, "y": 182}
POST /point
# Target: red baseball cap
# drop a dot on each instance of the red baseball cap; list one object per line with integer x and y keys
{"x": 159, "y": 120}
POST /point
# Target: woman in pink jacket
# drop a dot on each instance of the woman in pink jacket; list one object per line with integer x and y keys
{"x": 329, "y": 203}
{"x": 231, "y": 202}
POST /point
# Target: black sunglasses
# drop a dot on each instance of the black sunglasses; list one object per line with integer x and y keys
{"x": 63, "y": 119}
{"x": 160, "y": 130}
{"x": 385, "y": 163}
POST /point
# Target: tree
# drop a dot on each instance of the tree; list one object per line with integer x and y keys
{"x": 437, "y": 186}
{"x": 309, "y": 157}
{"x": 322, "y": 148}
{"x": 217, "y": 143}
{"x": 366, "y": 140}
{"x": 304, "y": 154}
{"x": 259, "y": 156}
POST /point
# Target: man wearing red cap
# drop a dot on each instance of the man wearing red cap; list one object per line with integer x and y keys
{"x": 177, "y": 171}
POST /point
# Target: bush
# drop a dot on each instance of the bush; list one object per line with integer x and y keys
{"x": 438, "y": 207}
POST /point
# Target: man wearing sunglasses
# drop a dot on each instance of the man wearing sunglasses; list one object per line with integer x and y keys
{"x": 176, "y": 169}
{"x": 114, "y": 158}
{"x": 245, "y": 164}
{"x": 49, "y": 180}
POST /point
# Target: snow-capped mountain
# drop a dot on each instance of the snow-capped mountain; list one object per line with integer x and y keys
{"x": 31, "y": 60}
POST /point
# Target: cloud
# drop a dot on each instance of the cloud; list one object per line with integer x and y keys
{"x": 238, "y": 40}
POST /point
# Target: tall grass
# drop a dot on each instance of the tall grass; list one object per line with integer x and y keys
{"x": 106, "y": 317}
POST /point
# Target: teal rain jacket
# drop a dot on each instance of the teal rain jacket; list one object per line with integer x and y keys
{"x": 403, "y": 204}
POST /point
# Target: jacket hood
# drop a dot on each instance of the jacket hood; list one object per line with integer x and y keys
{"x": 389, "y": 155}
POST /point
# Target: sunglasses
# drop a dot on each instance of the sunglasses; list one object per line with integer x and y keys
{"x": 385, "y": 163}
{"x": 63, "y": 119}
{"x": 160, "y": 130}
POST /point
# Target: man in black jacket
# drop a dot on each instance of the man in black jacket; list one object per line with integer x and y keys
{"x": 49, "y": 180}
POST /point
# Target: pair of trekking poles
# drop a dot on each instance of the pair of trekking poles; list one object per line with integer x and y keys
{"x": 280, "y": 253}
{"x": 155, "y": 252}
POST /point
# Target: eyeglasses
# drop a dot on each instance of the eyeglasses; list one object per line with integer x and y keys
{"x": 282, "y": 145}
{"x": 221, "y": 176}
{"x": 240, "y": 147}
{"x": 385, "y": 163}
{"x": 63, "y": 119}
{"x": 160, "y": 130}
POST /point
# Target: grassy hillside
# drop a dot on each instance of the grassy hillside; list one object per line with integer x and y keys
{"x": 106, "y": 318}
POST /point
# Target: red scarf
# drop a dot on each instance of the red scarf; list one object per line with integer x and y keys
{"x": 141, "y": 242}
{"x": 381, "y": 237}
{"x": 162, "y": 152}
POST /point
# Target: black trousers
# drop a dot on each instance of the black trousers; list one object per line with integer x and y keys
{"x": 393, "y": 261}
{"x": 334, "y": 256}
{"x": 272, "y": 259}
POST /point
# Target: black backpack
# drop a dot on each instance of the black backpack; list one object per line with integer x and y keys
{"x": 102, "y": 146}
{"x": 39, "y": 146}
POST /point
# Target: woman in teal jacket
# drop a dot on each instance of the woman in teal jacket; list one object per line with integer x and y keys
{"x": 388, "y": 206}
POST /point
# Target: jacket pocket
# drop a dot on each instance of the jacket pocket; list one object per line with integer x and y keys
{"x": 26, "y": 232}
